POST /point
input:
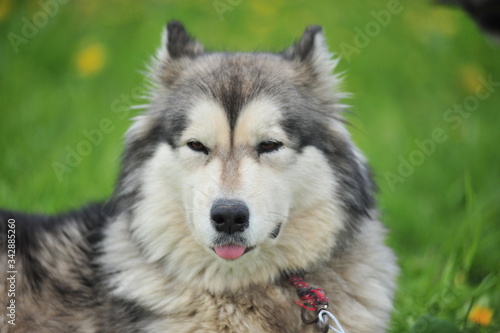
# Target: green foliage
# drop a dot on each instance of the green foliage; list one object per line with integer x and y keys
{"x": 429, "y": 324}
{"x": 410, "y": 75}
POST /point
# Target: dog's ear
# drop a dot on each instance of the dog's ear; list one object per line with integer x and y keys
{"x": 311, "y": 55}
{"x": 311, "y": 42}
{"x": 173, "y": 56}
{"x": 178, "y": 43}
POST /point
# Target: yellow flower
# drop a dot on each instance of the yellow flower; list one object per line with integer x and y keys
{"x": 481, "y": 315}
{"x": 90, "y": 60}
{"x": 266, "y": 8}
{"x": 5, "y": 6}
{"x": 469, "y": 77}
{"x": 443, "y": 20}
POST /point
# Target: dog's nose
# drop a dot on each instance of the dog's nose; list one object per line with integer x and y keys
{"x": 230, "y": 216}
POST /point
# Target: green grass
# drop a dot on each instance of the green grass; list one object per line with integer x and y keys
{"x": 443, "y": 217}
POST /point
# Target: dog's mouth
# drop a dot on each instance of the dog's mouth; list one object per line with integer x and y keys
{"x": 231, "y": 251}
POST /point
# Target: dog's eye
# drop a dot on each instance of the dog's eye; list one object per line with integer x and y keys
{"x": 268, "y": 146}
{"x": 197, "y": 146}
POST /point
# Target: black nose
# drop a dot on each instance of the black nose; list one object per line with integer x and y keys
{"x": 230, "y": 216}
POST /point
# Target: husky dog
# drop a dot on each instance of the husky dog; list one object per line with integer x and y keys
{"x": 240, "y": 175}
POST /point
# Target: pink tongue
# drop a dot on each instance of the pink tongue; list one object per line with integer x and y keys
{"x": 230, "y": 252}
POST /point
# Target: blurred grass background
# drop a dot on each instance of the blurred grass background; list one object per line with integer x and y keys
{"x": 74, "y": 68}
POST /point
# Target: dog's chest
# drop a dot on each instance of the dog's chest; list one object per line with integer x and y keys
{"x": 266, "y": 309}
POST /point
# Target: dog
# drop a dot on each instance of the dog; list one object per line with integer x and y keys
{"x": 242, "y": 205}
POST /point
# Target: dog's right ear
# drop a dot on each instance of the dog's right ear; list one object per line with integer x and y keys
{"x": 178, "y": 43}
{"x": 173, "y": 56}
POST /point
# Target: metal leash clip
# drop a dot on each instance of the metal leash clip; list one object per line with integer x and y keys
{"x": 324, "y": 317}
{"x": 314, "y": 301}
{"x": 311, "y": 320}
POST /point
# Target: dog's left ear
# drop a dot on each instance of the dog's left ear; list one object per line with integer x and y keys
{"x": 311, "y": 54}
{"x": 310, "y": 43}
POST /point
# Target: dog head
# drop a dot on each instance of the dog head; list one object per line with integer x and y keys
{"x": 241, "y": 168}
